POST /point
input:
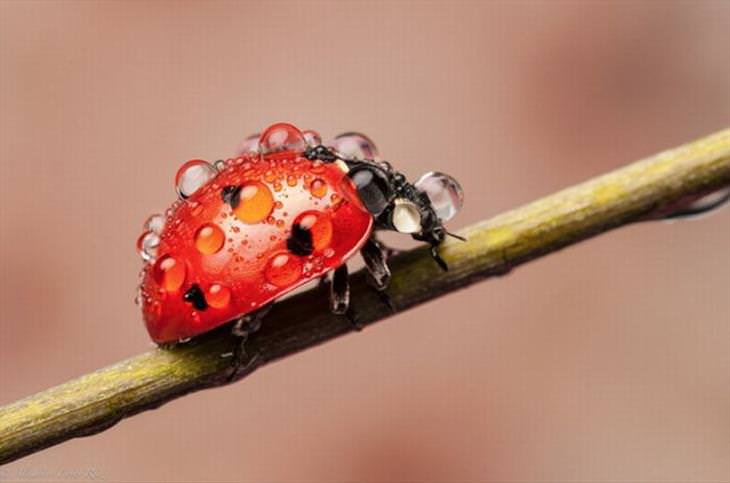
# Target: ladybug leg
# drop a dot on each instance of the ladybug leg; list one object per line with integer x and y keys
{"x": 376, "y": 255}
{"x": 242, "y": 329}
{"x": 340, "y": 296}
{"x": 340, "y": 291}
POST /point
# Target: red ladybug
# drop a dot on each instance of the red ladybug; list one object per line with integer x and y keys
{"x": 288, "y": 210}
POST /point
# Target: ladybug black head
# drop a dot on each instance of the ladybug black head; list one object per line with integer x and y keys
{"x": 419, "y": 208}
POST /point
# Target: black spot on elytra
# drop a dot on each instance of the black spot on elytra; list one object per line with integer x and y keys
{"x": 196, "y": 297}
{"x": 229, "y": 194}
{"x": 300, "y": 241}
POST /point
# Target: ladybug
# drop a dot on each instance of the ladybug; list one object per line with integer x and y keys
{"x": 287, "y": 210}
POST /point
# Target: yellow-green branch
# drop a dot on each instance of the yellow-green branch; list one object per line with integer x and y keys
{"x": 638, "y": 191}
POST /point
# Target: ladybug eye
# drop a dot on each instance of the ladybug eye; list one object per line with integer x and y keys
{"x": 444, "y": 192}
{"x": 373, "y": 187}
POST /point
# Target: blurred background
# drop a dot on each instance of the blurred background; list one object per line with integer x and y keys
{"x": 608, "y": 361}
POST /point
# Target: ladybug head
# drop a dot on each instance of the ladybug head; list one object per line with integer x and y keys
{"x": 419, "y": 209}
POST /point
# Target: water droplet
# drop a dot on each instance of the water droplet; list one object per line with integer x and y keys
{"x": 147, "y": 245}
{"x": 218, "y": 296}
{"x": 209, "y": 239}
{"x": 445, "y": 194}
{"x": 328, "y": 253}
{"x": 312, "y": 137}
{"x": 192, "y": 175}
{"x": 319, "y": 225}
{"x": 154, "y": 223}
{"x": 291, "y": 180}
{"x": 318, "y": 188}
{"x": 280, "y": 223}
{"x": 353, "y": 145}
{"x": 281, "y": 137}
{"x": 249, "y": 145}
{"x": 283, "y": 269}
{"x": 256, "y": 202}
{"x": 219, "y": 165}
{"x": 169, "y": 273}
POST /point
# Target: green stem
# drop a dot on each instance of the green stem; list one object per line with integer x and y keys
{"x": 639, "y": 191}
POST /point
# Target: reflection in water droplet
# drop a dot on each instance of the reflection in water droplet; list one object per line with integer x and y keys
{"x": 209, "y": 239}
{"x": 318, "y": 188}
{"x": 192, "y": 175}
{"x": 281, "y": 137}
{"x": 169, "y": 273}
{"x": 147, "y": 245}
{"x": 218, "y": 296}
{"x": 256, "y": 203}
{"x": 319, "y": 226}
{"x": 283, "y": 269}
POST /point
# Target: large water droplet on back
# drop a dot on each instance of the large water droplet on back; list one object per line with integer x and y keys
{"x": 192, "y": 175}
{"x": 255, "y": 204}
{"x": 445, "y": 193}
{"x": 282, "y": 137}
{"x": 319, "y": 225}
{"x": 283, "y": 269}
{"x": 218, "y": 296}
{"x": 353, "y": 145}
{"x": 169, "y": 273}
{"x": 209, "y": 239}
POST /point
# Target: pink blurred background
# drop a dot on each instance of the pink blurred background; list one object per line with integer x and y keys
{"x": 609, "y": 361}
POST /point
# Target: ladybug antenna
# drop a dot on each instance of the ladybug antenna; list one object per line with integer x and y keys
{"x": 454, "y": 235}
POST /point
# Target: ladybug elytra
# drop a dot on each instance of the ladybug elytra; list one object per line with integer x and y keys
{"x": 286, "y": 211}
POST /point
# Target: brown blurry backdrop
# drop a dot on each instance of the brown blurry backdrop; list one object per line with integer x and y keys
{"x": 609, "y": 361}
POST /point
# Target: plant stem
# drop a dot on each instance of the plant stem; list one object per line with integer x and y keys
{"x": 640, "y": 191}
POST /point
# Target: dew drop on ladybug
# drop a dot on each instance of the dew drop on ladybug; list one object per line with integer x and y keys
{"x": 218, "y": 296}
{"x": 255, "y": 202}
{"x": 444, "y": 192}
{"x": 169, "y": 273}
{"x": 283, "y": 269}
{"x": 282, "y": 137}
{"x": 353, "y": 145}
{"x": 209, "y": 239}
{"x": 250, "y": 145}
{"x": 147, "y": 245}
{"x": 318, "y": 188}
{"x": 154, "y": 223}
{"x": 192, "y": 176}
{"x": 317, "y": 225}
{"x": 312, "y": 137}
